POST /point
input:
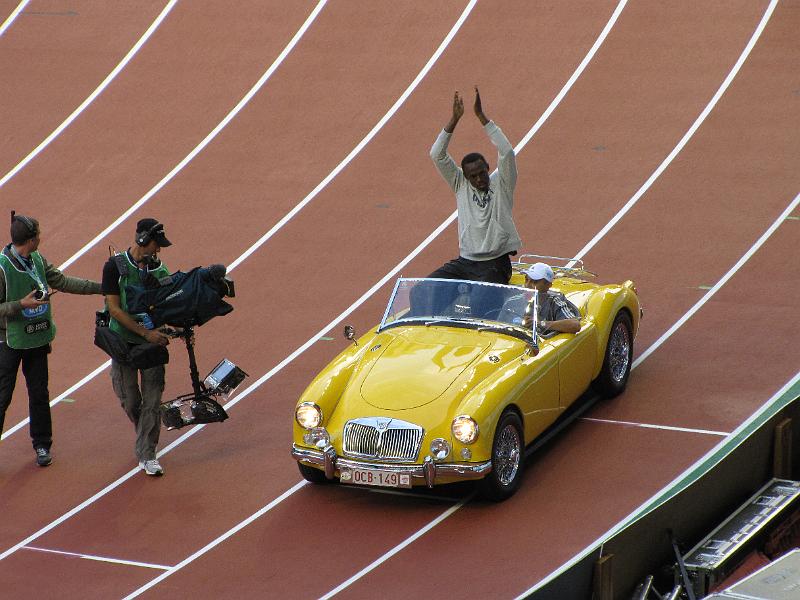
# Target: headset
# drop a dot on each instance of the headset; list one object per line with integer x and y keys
{"x": 144, "y": 237}
{"x": 32, "y": 230}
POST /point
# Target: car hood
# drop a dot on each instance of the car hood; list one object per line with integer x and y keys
{"x": 413, "y": 367}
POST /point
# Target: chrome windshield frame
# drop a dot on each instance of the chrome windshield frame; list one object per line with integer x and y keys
{"x": 530, "y": 333}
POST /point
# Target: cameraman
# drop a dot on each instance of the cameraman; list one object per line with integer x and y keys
{"x": 27, "y": 327}
{"x": 141, "y": 405}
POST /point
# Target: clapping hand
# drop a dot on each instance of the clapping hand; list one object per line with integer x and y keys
{"x": 479, "y": 108}
{"x": 458, "y": 112}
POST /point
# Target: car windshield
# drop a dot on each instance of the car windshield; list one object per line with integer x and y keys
{"x": 458, "y": 303}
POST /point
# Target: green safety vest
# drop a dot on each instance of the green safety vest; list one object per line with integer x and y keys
{"x": 132, "y": 277}
{"x": 34, "y": 327}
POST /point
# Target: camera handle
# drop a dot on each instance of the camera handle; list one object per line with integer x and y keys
{"x": 187, "y": 335}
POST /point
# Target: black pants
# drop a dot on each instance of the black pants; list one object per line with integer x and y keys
{"x": 478, "y": 302}
{"x": 34, "y": 368}
{"x": 497, "y": 270}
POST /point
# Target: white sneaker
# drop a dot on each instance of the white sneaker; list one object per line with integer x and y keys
{"x": 151, "y": 467}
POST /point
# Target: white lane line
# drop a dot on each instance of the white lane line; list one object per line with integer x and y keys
{"x": 221, "y": 125}
{"x": 766, "y": 235}
{"x": 111, "y": 76}
{"x": 399, "y": 547}
{"x": 273, "y": 372}
{"x": 760, "y": 242}
{"x": 14, "y": 13}
{"x": 319, "y": 187}
{"x": 256, "y": 87}
{"x": 686, "y": 137}
{"x": 219, "y": 540}
{"x": 663, "y": 427}
{"x": 63, "y": 397}
{"x": 243, "y": 394}
{"x": 398, "y": 103}
{"x": 367, "y": 138}
{"x": 710, "y": 293}
{"x": 648, "y": 505}
{"x": 119, "y": 561}
{"x": 206, "y": 140}
{"x": 375, "y": 288}
{"x": 300, "y": 205}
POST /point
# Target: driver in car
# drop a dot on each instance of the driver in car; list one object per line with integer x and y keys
{"x": 556, "y": 313}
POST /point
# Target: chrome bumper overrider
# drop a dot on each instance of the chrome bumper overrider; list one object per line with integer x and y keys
{"x": 428, "y": 471}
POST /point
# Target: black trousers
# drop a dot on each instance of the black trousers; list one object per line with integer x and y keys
{"x": 480, "y": 302}
{"x": 34, "y": 368}
{"x": 497, "y": 270}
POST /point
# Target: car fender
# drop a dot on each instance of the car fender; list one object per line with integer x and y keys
{"x": 603, "y": 306}
{"x": 487, "y": 401}
{"x": 327, "y": 387}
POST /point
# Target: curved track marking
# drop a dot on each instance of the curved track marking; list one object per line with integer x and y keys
{"x": 359, "y": 147}
{"x": 206, "y": 140}
{"x": 725, "y": 278}
{"x": 686, "y": 137}
{"x": 752, "y": 250}
{"x": 408, "y": 541}
{"x": 267, "y": 376}
{"x": 383, "y": 281}
{"x": 103, "y": 85}
{"x": 643, "y": 509}
{"x": 453, "y": 509}
{"x": 322, "y": 184}
{"x": 12, "y": 17}
{"x": 367, "y": 138}
{"x": 256, "y": 87}
{"x": 660, "y": 427}
{"x": 60, "y": 398}
{"x": 660, "y": 169}
{"x": 219, "y": 540}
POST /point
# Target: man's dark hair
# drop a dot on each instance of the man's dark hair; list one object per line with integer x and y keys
{"x": 23, "y": 229}
{"x": 473, "y": 157}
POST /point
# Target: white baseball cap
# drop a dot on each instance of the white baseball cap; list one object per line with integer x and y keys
{"x": 540, "y": 271}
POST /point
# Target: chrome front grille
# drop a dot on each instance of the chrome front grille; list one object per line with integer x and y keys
{"x": 382, "y": 438}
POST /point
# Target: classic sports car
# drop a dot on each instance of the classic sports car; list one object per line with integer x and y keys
{"x": 455, "y": 382}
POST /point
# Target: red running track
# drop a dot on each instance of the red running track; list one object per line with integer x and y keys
{"x": 640, "y": 93}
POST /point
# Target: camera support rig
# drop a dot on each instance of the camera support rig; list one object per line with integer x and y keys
{"x": 200, "y": 406}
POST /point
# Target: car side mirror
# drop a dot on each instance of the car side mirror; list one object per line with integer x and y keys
{"x": 350, "y": 333}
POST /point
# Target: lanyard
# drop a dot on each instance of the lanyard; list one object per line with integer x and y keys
{"x": 30, "y": 270}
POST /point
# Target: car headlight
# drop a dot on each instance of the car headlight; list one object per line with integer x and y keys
{"x": 440, "y": 448}
{"x": 465, "y": 429}
{"x": 308, "y": 415}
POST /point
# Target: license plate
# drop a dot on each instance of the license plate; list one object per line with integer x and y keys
{"x": 379, "y": 478}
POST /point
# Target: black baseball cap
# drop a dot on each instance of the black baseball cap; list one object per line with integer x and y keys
{"x": 157, "y": 234}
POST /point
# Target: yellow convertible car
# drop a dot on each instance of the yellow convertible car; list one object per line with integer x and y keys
{"x": 456, "y": 381}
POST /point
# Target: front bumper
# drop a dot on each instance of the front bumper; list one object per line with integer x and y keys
{"x": 428, "y": 472}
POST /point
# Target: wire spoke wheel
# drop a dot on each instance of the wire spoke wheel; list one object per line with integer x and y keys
{"x": 507, "y": 454}
{"x": 507, "y": 459}
{"x": 619, "y": 347}
{"x": 616, "y": 367}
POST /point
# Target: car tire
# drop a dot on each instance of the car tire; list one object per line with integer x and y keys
{"x": 618, "y": 358}
{"x": 313, "y": 475}
{"x": 508, "y": 454}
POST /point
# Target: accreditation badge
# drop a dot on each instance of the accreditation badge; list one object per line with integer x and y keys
{"x": 32, "y": 313}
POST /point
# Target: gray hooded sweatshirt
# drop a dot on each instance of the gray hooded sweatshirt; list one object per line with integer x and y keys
{"x": 485, "y": 225}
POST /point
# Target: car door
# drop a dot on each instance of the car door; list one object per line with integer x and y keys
{"x": 539, "y": 400}
{"x": 577, "y": 354}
